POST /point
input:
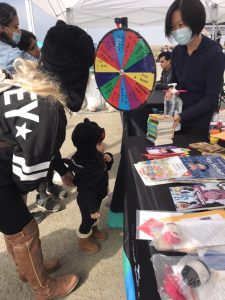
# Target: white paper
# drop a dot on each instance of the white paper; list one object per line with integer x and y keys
{"x": 144, "y": 215}
{"x": 202, "y": 233}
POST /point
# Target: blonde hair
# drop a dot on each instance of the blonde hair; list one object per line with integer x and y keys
{"x": 32, "y": 79}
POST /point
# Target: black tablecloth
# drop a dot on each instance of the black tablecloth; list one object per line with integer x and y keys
{"x": 131, "y": 193}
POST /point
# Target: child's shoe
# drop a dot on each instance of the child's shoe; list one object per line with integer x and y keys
{"x": 98, "y": 234}
{"x": 57, "y": 190}
{"x": 86, "y": 245}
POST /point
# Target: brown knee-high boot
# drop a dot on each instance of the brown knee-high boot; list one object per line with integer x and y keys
{"x": 26, "y": 247}
{"x": 50, "y": 265}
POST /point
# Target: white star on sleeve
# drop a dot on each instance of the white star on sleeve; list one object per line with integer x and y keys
{"x": 22, "y": 131}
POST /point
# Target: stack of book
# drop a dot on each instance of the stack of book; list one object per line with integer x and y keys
{"x": 160, "y": 129}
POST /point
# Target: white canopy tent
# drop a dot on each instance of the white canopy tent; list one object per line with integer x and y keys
{"x": 101, "y": 13}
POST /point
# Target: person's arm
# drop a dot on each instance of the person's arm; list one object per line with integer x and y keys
{"x": 58, "y": 164}
{"x": 173, "y": 77}
{"x": 14, "y": 54}
{"x": 160, "y": 84}
{"x": 214, "y": 78}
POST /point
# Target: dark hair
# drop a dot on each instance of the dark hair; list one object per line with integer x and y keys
{"x": 166, "y": 54}
{"x": 201, "y": 163}
{"x": 25, "y": 40}
{"x": 7, "y": 12}
{"x": 192, "y": 13}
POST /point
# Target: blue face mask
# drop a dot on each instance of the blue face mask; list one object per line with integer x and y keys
{"x": 16, "y": 37}
{"x": 182, "y": 36}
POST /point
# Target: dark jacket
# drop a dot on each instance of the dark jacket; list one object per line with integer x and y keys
{"x": 201, "y": 74}
{"x": 91, "y": 178}
{"x": 35, "y": 127}
{"x": 165, "y": 79}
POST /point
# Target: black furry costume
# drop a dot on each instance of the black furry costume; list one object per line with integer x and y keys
{"x": 91, "y": 172}
{"x": 68, "y": 53}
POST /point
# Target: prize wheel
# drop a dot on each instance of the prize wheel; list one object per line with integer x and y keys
{"x": 125, "y": 69}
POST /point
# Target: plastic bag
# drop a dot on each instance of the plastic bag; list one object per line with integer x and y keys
{"x": 178, "y": 278}
{"x": 167, "y": 236}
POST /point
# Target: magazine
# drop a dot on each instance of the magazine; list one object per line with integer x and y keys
{"x": 204, "y": 167}
{"x": 166, "y": 149}
{"x": 199, "y": 196}
{"x": 165, "y": 168}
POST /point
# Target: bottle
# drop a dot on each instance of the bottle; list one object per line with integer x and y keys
{"x": 177, "y": 110}
{"x": 169, "y": 103}
{"x": 174, "y": 105}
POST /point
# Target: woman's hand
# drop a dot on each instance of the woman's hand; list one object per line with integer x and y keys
{"x": 177, "y": 120}
{"x": 168, "y": 94}
{"x": 67, "y": 179}
{"x": 96, "y": 215}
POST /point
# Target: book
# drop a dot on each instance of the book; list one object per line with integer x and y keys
{"x": 203, "y": 196}
{"x": 204, "y": 166}
{"x": 167, "y": 150}
{"x": 160, "y": 129}
{"x": 207, "y": 148}
{"x": 165, "y": 168}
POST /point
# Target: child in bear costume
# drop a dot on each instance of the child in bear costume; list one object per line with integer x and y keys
{"x": 90, "y": 165}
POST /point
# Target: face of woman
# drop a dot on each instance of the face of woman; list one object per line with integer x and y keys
{"x": 12, "y": 27}
{"x": 33, "y": 49}
{"x": 181, "y": 33}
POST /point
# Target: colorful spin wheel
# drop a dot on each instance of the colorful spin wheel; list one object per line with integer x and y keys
{"x": 125, "y": 70}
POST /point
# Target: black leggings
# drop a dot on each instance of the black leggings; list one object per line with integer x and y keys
{"x": 14, "y": 214}
{"x": 86, "y": 220}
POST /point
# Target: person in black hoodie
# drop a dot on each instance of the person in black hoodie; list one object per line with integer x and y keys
{"x": 197, "y": 65}
{"x": 90, "y": 165}
{"x": 32, "y": 131}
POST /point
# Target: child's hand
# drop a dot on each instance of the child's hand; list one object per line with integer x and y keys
{"x": 107, "y": 157}
{"x": 67, "y": 179}
{"x": 96, "y": 215}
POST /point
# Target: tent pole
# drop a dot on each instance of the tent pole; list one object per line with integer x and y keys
{"x": 30, "y": 18}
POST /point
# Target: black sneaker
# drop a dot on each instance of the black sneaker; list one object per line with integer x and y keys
{"x": 39, "y": 216}
{"x": 49, "y": 203}
{"x": 57, "y": 190}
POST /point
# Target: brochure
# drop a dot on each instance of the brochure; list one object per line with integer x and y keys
{"x": 199, "y": 196}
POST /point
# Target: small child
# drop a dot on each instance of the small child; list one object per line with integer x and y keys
{"x": 90, "y": 165}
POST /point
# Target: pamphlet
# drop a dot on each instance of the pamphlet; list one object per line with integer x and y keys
{"x": 199, "y": 196}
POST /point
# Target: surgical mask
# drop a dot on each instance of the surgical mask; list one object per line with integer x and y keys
{"x": 16, "y": 37}
{"x": 182, "y": 36}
